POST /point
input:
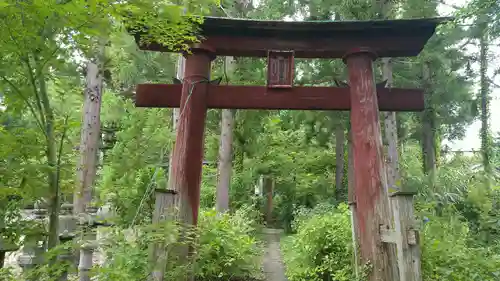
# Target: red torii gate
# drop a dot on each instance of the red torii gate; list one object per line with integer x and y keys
{"x": 358, "y": 43}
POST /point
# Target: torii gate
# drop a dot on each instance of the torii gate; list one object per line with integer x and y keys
{"x": 358, "y": 43}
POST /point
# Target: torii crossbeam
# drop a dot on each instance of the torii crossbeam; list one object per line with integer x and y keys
{"x": 260, "y": 97}
{"x": 357, "y": 43}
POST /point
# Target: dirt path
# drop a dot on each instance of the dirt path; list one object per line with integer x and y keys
{"x": 273, "y": 267}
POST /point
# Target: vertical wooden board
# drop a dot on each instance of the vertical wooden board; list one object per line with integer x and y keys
{"x": 280, "y": 66}
{"x": 407, "y": 238}
{"x": 187, "y": 157}
{"x": 164, "y": 205}
{"x": 372, "y": 208}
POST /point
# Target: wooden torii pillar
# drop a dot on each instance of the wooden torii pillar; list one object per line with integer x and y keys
{"x": 357, "y": 43}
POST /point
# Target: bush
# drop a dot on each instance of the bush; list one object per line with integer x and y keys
{"x": 446, "y": 254}
{"x": 128, "y": 251}
{"x": 322, "y": 248}
{"x": 227, "y": 248}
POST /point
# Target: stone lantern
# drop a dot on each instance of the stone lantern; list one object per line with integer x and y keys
{"x": 34, "y": 242}
{"x": 67, "y": 228}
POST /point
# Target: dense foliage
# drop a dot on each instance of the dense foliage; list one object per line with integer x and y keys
{"x": 322, "y": 248}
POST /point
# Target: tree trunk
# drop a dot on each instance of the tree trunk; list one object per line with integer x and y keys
{"x": 486, "y": 146}
{"x": 392, "y": 162}
{"x": 391, "y": 134}
{"x": 51, "y": 154}
{"x": 268, "y": 187}
{"x": 339, "y": 159}
{"x": 54, "y": 196}
{"x": 225, "y": 153}
{"x": 89, "y": 148}
{"x": 91, "y": 128}
{"x": 181, "y": 63}
{"x": 225, "y": 161}
{"x": 429, "y": 128}
{"x": 2, "y": 259}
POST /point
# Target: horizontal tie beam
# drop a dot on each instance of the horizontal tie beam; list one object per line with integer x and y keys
{"x": 295, "y": 98}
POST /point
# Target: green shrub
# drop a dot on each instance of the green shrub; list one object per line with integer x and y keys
{"x": 322, "y": 248}
{"x": 448, "y": 256}
{"x": 6, "y": 274}
{"x": 128, "y": 252}
{"x": 227, "y": 248}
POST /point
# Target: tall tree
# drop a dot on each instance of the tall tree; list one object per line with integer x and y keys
{"x": 429, "y": 125}
{"x": 391, "y": 133}
{"x": 486, "y": 138}
{"x": 225, "y": 160}
{"x": 181, "y": 63}
{"x": 44, "y": 44}
{"x": 448, "y": 97}
{"x": 227, "y": 127}
{"x": 91, "y": 130}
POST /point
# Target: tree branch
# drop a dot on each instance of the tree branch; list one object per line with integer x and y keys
{"x": 59, "y": 153}
{"x": 493, "y": 83}
{"x": 35, "y": 90}
{"x": 26, "y": 101}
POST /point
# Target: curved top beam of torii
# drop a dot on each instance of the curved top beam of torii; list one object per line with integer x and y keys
{"x": 310, "y": 39}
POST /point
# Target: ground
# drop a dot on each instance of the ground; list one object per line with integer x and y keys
{"x": 274, "y": 269}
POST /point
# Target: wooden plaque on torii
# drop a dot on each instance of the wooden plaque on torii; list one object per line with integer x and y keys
{"x": 358, "y": 43}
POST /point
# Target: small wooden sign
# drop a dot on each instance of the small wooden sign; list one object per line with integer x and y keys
{"x": 280, "y": 65}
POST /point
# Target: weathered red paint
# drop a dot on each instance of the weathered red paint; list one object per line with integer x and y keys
{"x": 258, "y": 97}
{"x": 187, "y": 156}
{"x": 372, "y": 209}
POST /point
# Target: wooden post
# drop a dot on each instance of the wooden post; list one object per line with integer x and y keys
{"x": 406, "y": 237}
{"x": 372, "y": 201}
{"x": 351, "y": 200}
{"x": 268, "y": 186}
{"x": 164, "y": 204}
{"x": 187, "y": 157}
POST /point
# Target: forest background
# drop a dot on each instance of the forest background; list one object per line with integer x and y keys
{"x": 57, "y": 56}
